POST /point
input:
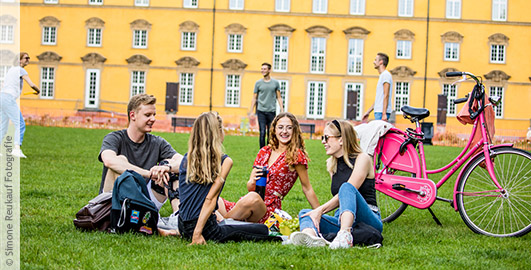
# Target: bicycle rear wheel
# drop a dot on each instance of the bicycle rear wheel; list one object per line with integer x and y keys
{"x": 493, "y": 213}
{"x": 391, "y": 209}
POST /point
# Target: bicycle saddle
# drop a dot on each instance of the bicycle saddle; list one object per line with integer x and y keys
{"x": 417, "y": 113}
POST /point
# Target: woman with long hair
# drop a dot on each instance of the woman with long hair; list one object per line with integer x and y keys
{"x": 286, "y": 160}
{"x": 202, "y": 176}
{"x": 352, "y": 187}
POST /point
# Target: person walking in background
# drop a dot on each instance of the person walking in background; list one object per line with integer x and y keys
{"x": 382, "y": 103}
{"x": 266, "y": 91}
{"x": 10, "y": 92}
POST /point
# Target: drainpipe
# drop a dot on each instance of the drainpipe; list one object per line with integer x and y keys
{"x": 426, "y": 55}
{"x": 212, "y": 52}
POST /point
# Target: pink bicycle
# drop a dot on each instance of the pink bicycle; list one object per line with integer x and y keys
{"x": 492, "y": 191}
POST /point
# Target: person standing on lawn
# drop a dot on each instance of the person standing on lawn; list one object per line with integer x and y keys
{"x": 136, "y": 149}
{"x": 382, "y": 104}
{"x": 266, "y": 92}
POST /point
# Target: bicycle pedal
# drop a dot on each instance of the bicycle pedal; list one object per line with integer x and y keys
{"x": 399, "y": 186}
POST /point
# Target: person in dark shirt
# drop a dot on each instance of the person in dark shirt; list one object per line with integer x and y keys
{"x": 352, "y": 187}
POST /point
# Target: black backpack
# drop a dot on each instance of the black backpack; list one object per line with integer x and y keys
{"x": 132, "y": 209}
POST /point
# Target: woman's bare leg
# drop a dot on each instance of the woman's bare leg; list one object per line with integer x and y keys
{"x": 250, "y": 208}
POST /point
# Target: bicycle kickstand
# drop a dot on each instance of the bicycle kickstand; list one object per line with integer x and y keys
{"x": 434, "y": 217}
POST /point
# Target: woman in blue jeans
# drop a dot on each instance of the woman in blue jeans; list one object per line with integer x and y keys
{"x": 352, "y": 187}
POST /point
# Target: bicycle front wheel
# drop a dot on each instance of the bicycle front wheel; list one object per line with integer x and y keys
{"x": 490, "y": 212}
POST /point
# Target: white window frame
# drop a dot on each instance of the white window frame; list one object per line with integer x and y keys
{"x": 190, "y": 3}
{"x": 280, "y": 53}
{"x": 142, "y": 3}
{"x": 49, "y": 35}
{"x": 313, "y": 100}
{"x": 450, "y": 90}
{"x": 401, "y": 96}
{"x": 51, "y": 1}
{"x": 188, "y": 41}
{"x": 355, "y": 56}
{"x": 498, "y": 91}
{"x": 47, "y": 83}
{"x": 138, "y": 82}
{"x": 453, "y": 9}
{"x": 318, "y": 55}
{"x": 320, "y": 6}
{"x": 92, "y": 88}
{"x": 95, "y": 2}
{"x": 451, "y": 51}
{"x": 232, "y": 90}
{"x": 92, "y": 37}
{"x": 497, "y": 53}
{"x": 405, "y": 8}
{"x": 357, "y": 87}
{"x": 140, "y": 39}
{"x": 284, "y": 93}
{"x": 186, "y": 88}
{"x": 236, "y": 4}
{"x": 7, "y": 33}
{"x": 499, "y": 10}
{"x": 357, "y": 7}
{"x": 282, "y": 5}
{"x": 235, "y": 43}
{"x": 403, "y": 49}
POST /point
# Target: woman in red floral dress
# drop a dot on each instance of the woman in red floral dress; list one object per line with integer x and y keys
{"x": 286, "y": 160}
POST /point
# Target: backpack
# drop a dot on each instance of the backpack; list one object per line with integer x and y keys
{"x": 132, "y": 209}
{"x": 362, "y": 234}
{"x": 96, "y": 214}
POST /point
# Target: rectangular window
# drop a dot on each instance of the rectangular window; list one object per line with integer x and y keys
{"x": 235, "y": 43}
{"x": 355, "y": 56}
{"x": 453, "y": 9}
{"x": 405, "y": 8}
{"x": 142, "y": 3}
{"x": 358, "y": 89}
{"x": 403, "y": 49}
{"x": 316, "y": 97}
{"x": 236, "y": 4}
{"x": 138, "y": 82}
{"x": 401, "y": 95}
{"x": 186, "y": 85}
{"x": 188, "y": 41}
{"x": 282, "y": 5}
{"x": 190, "y": 3}
{"x": 140, "y": 39}
{"x": 451, "y": 51}
{"x": 451, "y": 94}
{"x": 48, "y": 35}
{"x": 317, "y": 61}
{"x": 499, "y": 10}
{"x": 497, "y": 91}
{"x": 232, "y": 95}
{"x": 497, "y": 54}
{"x": 6, "y": 33}
{"x": 320, "y": 6}
{"x": 94, "y": 37}
{"x": 95, "y": 2}
{"x": 92, "y": 88}
{"x": 284, "y": 93}
{"x": 51, "y": 1}
{"x": 280, "y": 53}
{"x": 357, "y": 7}
{"x": 47, "y": 82}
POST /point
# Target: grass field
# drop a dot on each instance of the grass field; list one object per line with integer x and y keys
{"x": 62, "y": 173}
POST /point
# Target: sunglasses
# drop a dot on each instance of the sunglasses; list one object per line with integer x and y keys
{"x": 326, "y": 137}
{"x": 27, "y": 58}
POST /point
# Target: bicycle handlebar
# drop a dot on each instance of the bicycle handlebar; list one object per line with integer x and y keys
{"x": 461, "y": 100}
{"x": 459, "y": 73}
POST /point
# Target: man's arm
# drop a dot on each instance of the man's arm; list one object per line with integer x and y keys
{"x": 253, "y": 103}
{"x": 386, "y": 87}
{"x": 31, "y": 84}
{"x": 365, "y": 117}
{"x": 279, "y": 99}
{"x": 119, "y": 163}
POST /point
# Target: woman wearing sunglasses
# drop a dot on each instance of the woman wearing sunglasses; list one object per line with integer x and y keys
{"x": 352, "y": 187}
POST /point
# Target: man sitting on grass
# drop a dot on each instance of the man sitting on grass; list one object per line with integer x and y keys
{"x": 135, "y": 149}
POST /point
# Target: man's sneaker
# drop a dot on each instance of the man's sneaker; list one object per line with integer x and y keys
{"x": 169, "y": 223}
{"x": 304, "y": 239}
{"x": 18, "y": 153}
{"x": 343, "y": 240}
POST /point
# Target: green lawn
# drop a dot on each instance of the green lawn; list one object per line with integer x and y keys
{"x": 62, "y": 173}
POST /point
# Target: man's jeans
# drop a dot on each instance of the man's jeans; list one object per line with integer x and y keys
{"x": 10, "y": 111}
{"x": 264, "y": 122}
{"x": 378, "y": 116}
{"x": 349, "y": 200}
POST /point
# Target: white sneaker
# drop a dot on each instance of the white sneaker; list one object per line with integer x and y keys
{"x": 343, "y": 240}
{"x": 18, "y": 153}
{"x": 169, "y": 223}
{"x": 304, "y": 239}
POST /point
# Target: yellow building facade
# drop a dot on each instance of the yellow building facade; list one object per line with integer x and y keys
{"x": 95, "y": 54}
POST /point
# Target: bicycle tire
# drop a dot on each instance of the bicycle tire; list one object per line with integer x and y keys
{"x": 387, "y": 205}
{"x": 493, "y": 215}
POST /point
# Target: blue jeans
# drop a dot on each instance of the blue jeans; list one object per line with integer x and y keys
{"x": 10, "y": 111}
{"x": 378, "y": 115}
{"x": 349, "y": 200}
{"x": 264, "y": 123}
